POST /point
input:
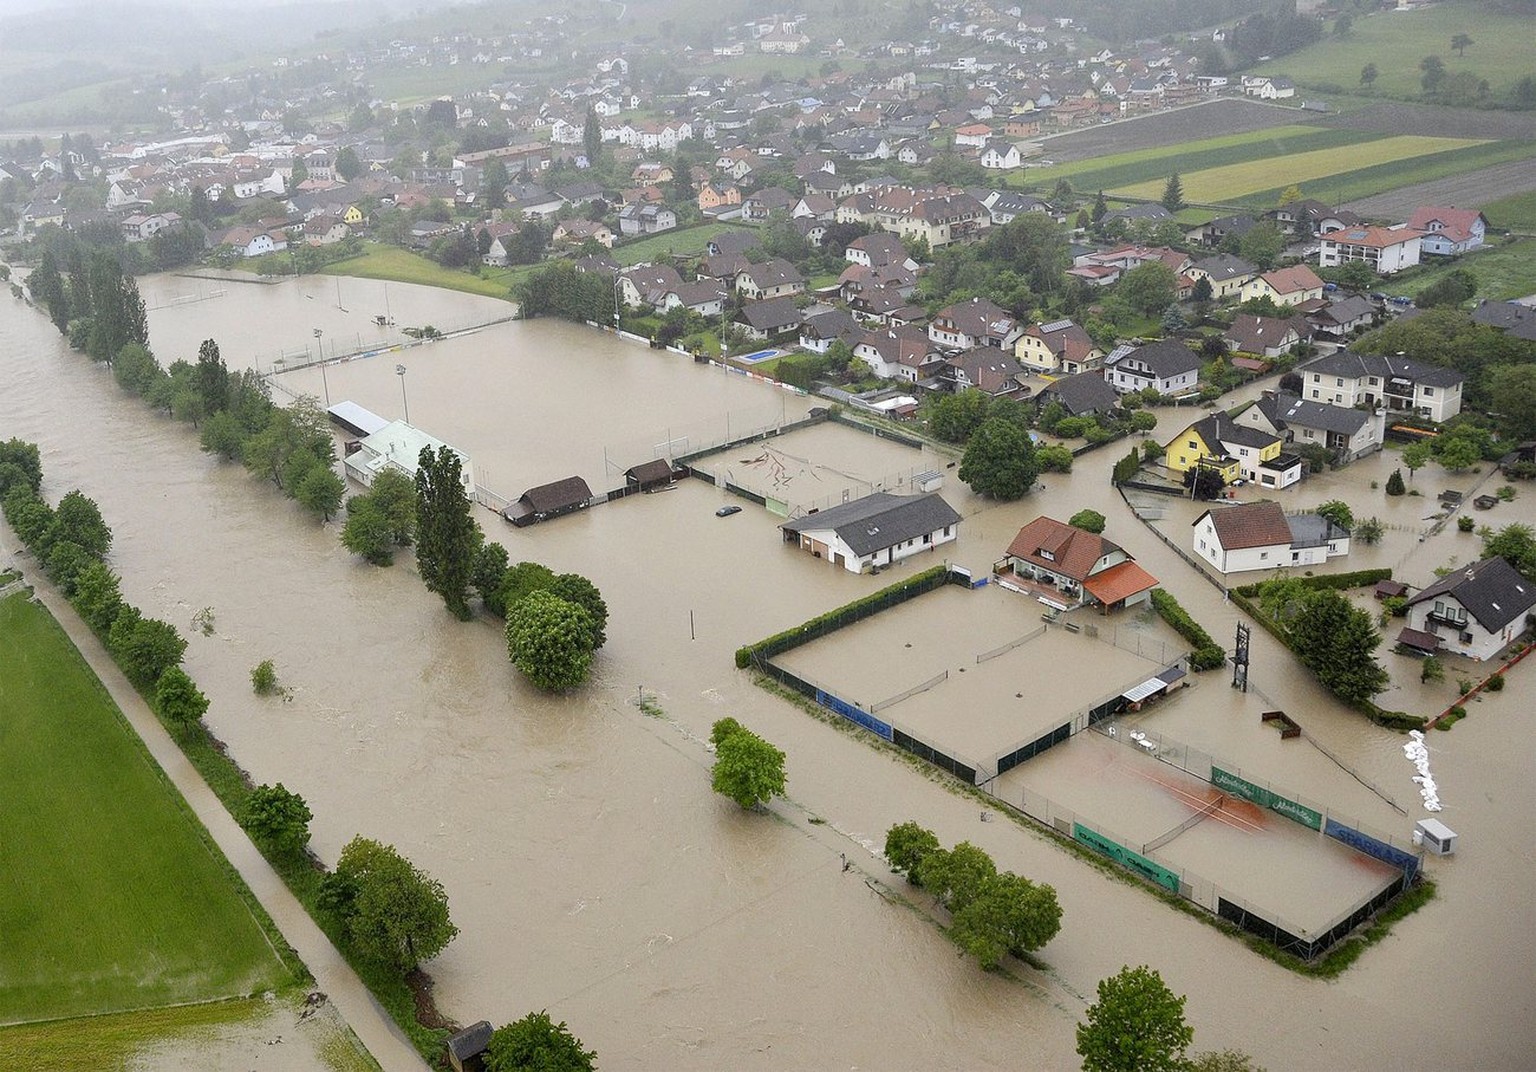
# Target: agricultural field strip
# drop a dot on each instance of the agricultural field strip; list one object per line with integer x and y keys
{"x": 117, "y": 897}
{"x": 1123, "y": 169}
{"x": 1503, "y": 272}
{"x": 1231, "y": 181}
{"x": 1516, "y": 212}
{"x": 1364, "y": 182}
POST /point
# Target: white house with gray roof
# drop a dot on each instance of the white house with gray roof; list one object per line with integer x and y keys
{"x": 1168, "y": 365}
{"x": 1474, "y": 611}
{"x": 1348, "y": 433}
{"x": 1397, "y": 384}
{"x": 875, "y": 531}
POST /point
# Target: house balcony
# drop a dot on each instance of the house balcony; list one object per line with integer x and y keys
{"x": 1063, "y": 596}
{"x": 1447, "y": 620}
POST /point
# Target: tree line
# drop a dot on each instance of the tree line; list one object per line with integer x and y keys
{"x": 378, "y": 905}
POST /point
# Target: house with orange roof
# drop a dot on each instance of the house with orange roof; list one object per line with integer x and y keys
{"x": 1385, "y": 249}
{"x": 1448, "y": 232}
{"x": 1078, "y": 568}
{"x": 1285, "y": 286}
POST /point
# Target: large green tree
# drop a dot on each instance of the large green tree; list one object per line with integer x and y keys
{"x": 1337, "y": 642}
{"x": 954, "y": 418}
{"x": 394, "y": 913}
{"x": 537, "y": 1044}
{"x": 447, "y": 538}
{"x": 78, "y": 520}
{"x": 1137, "y": 1025}
{"x": 1514, "y": 388}
{"x": 27, "y": 462}
{"x": 97, "y": 597}
{"x": 277, "y": 818}
{"x": 1009, "y": 914}
{"x": 366, "y": 532}
{"x": 550, "y": 641}
{"x": 906, "y": 845}
{"x": 178, "y": 698}
{"x": 1000, "y": 460}
{"x": 320, "y": 491}
{"x": 1173, "y": 193}
{"x": 1149, "y": 288}
{"x": 144, "y": 647}
{"x": 1516, "y": 544}
{"x": 747, "y": 768}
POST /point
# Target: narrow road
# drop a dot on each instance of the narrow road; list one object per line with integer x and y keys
{"x": 333, "y": 975}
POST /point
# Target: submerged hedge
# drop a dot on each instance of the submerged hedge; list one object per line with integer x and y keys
{"x": 834, "y": 620}
{"x": 1207, "y": 654}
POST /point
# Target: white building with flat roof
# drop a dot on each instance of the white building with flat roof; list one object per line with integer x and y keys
{"x": 398, "y": 445}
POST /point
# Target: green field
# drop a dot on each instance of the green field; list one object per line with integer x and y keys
{"x": 115, "y": 896}
{"x": 1503, "y": 272}
{"x": 1515, "y": 213}
{"x": 1219, "y": 185}
{"x": 1146, "y": 165}
{"x": 402, "y": 266}
{"x": 1501, "y": 51}
{"x": 688, "y": 241}
{"x": 1363, "y": 182}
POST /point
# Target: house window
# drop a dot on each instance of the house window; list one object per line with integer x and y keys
{"x": 946, "y": 530}
{"x": 1466, "y": 638}
{"x": 1339, "y": 382}
{"x": 1263, "y": 555}
{"x": 1193, "y": 445}
{"x": 1429, "y": 392}
{"x": 1316, "y": 378}
{"x": 1202, "y": 545}
{"x": 1371, "y": 380}
{"x": 1314, "y": 393}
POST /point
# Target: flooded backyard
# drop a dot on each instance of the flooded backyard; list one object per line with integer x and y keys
{"x": 590, "y": 868}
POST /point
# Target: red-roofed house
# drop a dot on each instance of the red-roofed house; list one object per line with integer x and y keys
{"x": 1082, "y": 567}
{"x": 1285, "y": 286}
{"x": 1448, "y": 231}
{"x": 1385, "y": 249}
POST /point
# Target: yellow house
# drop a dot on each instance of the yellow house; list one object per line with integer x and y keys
{"x": 353, "y": 216}
{"x": 1236, "y": 451}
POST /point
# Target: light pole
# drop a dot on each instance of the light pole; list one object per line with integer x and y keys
{"x": 400, "y": 371}
{"x": 320, "y": 346}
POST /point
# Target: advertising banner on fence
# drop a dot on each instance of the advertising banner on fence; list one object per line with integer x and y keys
{"x": 1123, "y": 856}
{"x": 1231, "y": 783}
{"x": 853, "y": 714}
{"x": 1374, "y": 847}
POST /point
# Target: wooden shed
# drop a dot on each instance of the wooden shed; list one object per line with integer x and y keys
{"x": 649, "y": 476}
{"x": 549, "y": 500}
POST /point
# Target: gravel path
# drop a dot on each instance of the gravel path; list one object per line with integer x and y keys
{"x": 333, "y": 975}
{"x": 1472, "y": 190}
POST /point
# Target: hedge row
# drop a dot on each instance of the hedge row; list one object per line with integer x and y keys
{"x": 1207, "y": 654}
{"x": 1336, "y": 581}
{"x": 834, "y": 620}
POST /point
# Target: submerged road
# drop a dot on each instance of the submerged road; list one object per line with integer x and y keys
{"x": 333, "y": 975}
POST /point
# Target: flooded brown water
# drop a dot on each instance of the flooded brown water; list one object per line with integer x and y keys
{"x": 590, "y": 869}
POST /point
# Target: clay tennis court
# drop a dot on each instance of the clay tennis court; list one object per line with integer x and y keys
{"x": 1251, "y": 854}
{"x": 980, "y": 710}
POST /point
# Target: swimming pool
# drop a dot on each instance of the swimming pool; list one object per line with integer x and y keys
{"x": 759, "y": 355}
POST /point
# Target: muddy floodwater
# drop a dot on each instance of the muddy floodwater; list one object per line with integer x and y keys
{"x": 590, "y": 869}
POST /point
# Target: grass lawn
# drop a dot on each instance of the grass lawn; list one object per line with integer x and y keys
{"x": 1395, "y": 41}
{"x": 1515, "y": 213}
{"x": 116, "y": 897}
{"x": 1148, "y": 165}
{"x": 686, "y": 240}
{"x": 1503, "y": 272}
{"x": 1363, "y": 182}
{"x": 402, "y": 266}
{"x": 1219, "y": 185}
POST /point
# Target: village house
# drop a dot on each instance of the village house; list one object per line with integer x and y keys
{"x": 716, "y": 196}
{"x": 1448, "y": 232}
{"x": 574, "y": 232}
{"x": 1475, "y": 611}
{"x": 1265, "y": 336}
{"x": 640, "y": 218}
{"x": 1167, "y": 366}
{"x": 1337, "y": 320}
{"x": 1260, "y": 536}
{"x": 1083, "y": 395}
{"x": 1236, "y": 451}
{"x": 1227, "y": 274}
{"x": 1059, "y": 348}
{"x": 875, "y": 531}
{"x": 819, "y": 332}
{"x": 1400, "y": 384}
{"x": 1285, "y": 286}
{"x": 973, "y": 323}
{"x": 648, "y": 285}
{"x": 879, "y": 250}
{"x": 705, "y": 296}
{"x": 1385, "y": 249}
{"x": 1268, "y": 87}
{"x": 775, "y": 278}
{"x": 986, "y": 369}
{"x": 141, "y": 228}
{"x": 1346, "y": 433}
{"x": 765, "y": 319}
{"x": 1075, "y": 568}
{"x": 548, "y": 501}
{"x": 900, "y": 353}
